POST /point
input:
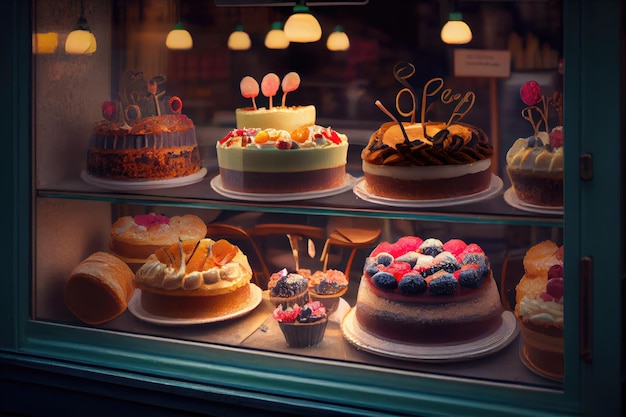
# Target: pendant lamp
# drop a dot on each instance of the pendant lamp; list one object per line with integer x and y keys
{"x": 275, "y": 37}
{"x": 338, "y": 40}
{"x": 179, "y": 38}
{"x": 302, "y": 26}
{"x": 81, "y": 41}
{"x": 456, "y": 31}
{"x": 239, "y": 40}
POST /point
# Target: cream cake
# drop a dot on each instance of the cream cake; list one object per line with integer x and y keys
{"x": 426, "y": 291}
{"x": 144, "y": 135}
{"x": 195, "y": 279}
{"x": 280, "y": 149}
{"x": 427, "y": 160}
{"x": 535, "y": 163}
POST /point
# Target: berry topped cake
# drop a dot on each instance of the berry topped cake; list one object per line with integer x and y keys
{"x": 427, "y": 160}
{"x": 535, "y": 163}
{"x": 280, "y": 149}
{"x": 144, "y": 135}
{"x": 539, "y": 308}
{"x": 427, "y": 291}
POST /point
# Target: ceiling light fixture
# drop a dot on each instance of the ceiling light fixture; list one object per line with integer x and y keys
{"x": 456, "y": 31}
{"x": 302, "y": 26}
{"x": 179, "y": 38}
{"x": 338, "y": 40}
{"x": 275, "y": 37}
{"x": 239, "y": 40}
{"x": 81, "y": 41}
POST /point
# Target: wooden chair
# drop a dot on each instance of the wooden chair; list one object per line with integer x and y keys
{"x": 239, "y": 236}
{"x": 349, "y": 237}
{"x": 297, "y": 237}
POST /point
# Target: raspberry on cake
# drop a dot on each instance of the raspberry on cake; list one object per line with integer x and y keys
{"x": 270, "y": 144}
{"x": 144, "y": 135}
{"x": 535, "y": 163}
{"x": 428, "y": 160}
{"x": 427, "y": 291}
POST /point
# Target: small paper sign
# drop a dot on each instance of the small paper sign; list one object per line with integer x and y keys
{"x": 482, "y": 63}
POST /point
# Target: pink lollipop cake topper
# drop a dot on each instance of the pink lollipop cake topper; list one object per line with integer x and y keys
{"x": 531, "y": 95}
{"x": 269, "y": 86}
{"x": 291, "y": 82}
{"x": 249, "y": 89}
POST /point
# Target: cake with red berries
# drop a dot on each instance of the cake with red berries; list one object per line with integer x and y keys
{"x": 302, "y": 326}
{"x": 535, "y": 164}
{"x": 419, "y": 291}
{"x": 280, "y": 149}
{"x": 143, "y": 136}
{"x": 427, "y": 160}
{"x": 539, "y": 309}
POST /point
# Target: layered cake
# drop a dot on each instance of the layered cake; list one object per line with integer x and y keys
{"x": 195, "y": 279}
{"x": 427, "y": 160}
{"x": 535, "y": 163}
{"x": 539, "y": 309}
{"x": 134, "y": 238}
{"x": 425, "y": 291}
{"x": 280, "y": 149}
{"x": 144, "y": 135}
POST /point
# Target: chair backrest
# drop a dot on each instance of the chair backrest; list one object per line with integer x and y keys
{"x": 239, "y": 236}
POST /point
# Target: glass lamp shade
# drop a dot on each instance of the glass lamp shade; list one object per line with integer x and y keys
{"x": 45, "y": 43}
{"x": 276, "y": 38}
{"x": 338, "y": 40}
{"x": 239, "y": 40}
{"x": 302, "y": 26}
{"x": 456, "y": 31}
{"x": 80, "y": 42}
{"x": 179, "y": 38}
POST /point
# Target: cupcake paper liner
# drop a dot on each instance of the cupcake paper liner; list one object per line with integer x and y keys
{"x": 299, "y": 335}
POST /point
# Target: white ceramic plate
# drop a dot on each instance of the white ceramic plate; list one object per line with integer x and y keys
{"x": 134, "y": 306}
{"x": 216, "y": 184}
{"x": 435, "y": 352}
{"x": 137, "y": 185}
{"x": 494, "y": 188}
{"x": 511, "y": 199}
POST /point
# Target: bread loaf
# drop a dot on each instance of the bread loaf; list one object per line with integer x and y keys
{"x": 99, "y": 288}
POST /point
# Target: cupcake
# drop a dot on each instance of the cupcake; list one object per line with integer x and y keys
{"x": 535, "y": 164}
{"x": 302, "y": 326}
{"x": 539, "y": 309}
{"x": 327, "y": 287}
{"x": 288, "y": 288}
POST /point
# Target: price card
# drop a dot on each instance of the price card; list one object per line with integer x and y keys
{"x": 482, "y": 63}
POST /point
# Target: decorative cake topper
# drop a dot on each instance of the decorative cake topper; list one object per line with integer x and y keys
{"x": 464, "y": 102}
{"x": 531, "y": 95}
{"x": 140, "y": 98}
{"x": 269, "y": 86}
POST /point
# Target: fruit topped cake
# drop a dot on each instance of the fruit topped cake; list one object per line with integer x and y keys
{"x": 144, "y": 135}
{"x": 539, "y": 308}
{"x": 427, "y": 160}
{"x": 280, "y": 149}
{"x": 428, "y": 291}
{"x": 535, "y": 163}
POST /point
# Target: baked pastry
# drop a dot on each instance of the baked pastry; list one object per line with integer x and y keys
{"x": 274, "y": 143}
{"x": 288, "y": 288}
{"x": 144, "y": 135}
{"x": 535, "y": 164}
{"x": 99, "y": 288}
{"x": 134, "y": 238}
{"x": 302, "y": 326}
{"x": 539, "y": 308}
{"x": 427, "y": 160}
{"x": 195, "y": 279}
{"x": 425, "y": 291}
{"x": 327, "y": 287}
